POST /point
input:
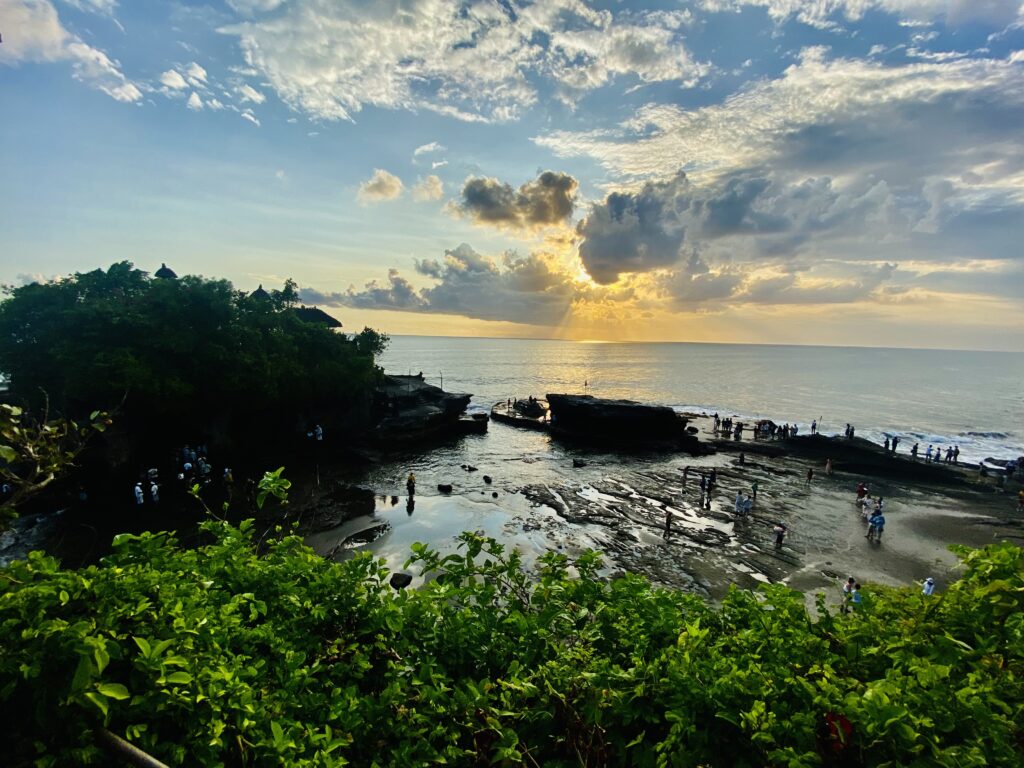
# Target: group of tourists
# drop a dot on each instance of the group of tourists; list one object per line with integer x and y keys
{"x": 935, "y": 454}
{"x": 772, "y": 431}
{"x": 872, "y": 512}
{"x": 148, "y": 488}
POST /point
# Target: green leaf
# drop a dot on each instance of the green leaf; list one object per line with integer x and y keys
{"x": 8, "y": 454}
{"x": 144, "y": 646}
{"x": 102, "y": 658}
{"x": 113, "y": 691}
{"x": 99, "y": 701}
{"x": 179, "y": 678}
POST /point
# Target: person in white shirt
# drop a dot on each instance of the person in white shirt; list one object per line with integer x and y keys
{"x": 929, "y": 586}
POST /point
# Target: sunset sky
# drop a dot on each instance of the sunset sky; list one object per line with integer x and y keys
{"x": 784, "y": 171}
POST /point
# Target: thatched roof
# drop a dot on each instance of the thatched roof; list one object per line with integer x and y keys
{"x": 315, "y": 315}
{"x": 165, "y": 272}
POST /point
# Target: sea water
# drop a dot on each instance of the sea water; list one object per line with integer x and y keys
{"x": 974, "y": 400}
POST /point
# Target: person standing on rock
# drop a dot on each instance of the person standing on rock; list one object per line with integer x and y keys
{"x": 712, "y": 480}
{"x": 814, "y": 427}
{"x": 739, "y": 502}
{"x": 753, "y": 489}
{"x": 928, "y": 454}
{"x": 887, "y": 444}
{"x": 410, "y": 484}
{"x": 810, "y": 475}
{"x": 895, "y": 442}
{"x": 780, "y": 533}
{"x": 956, "y": 454}
{"x": 914, "y": 450}
{"x": 686, "y": 473}
{"x": 748, "y": 505}
{"x": 828, "y": 467}
{"x": 668, "y": 522}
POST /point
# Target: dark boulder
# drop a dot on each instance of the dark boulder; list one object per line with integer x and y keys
{"x": 444, "y": 487}
{"x": 624, "y": 423}
{"x": 487, "y": 479}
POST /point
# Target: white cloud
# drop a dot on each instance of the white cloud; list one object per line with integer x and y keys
{"x": 247, "y": 93}
{"x": 173, "y": 80}
{"x": 196, "y": 74}
{"x": 194, "y": 102}
{"x": 438, "y": 164}
{"x": 248, "y": 115}
{"x": 214, "y": 104}
{"x": 380, "y": 187}
{"x": 430, "y": 188}
{"x": 103, "y": 7}
{"x": 475, "y": 62}
{"x": 841, "y": 117}
{"x": 425, "y": 148}
{"x": 253, "y": 7}
{"x": 39, "y": 36}
{"x": 827, "y": 13}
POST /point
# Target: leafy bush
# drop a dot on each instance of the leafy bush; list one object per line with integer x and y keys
{"x": 181, "y": 353}
{"x": 231, "y": 654}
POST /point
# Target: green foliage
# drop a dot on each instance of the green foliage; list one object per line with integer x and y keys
{"x": 183, "y": 351}
{"x": 231, "y": 654}
{"x": 371, "y": 342}
{"x": 35, "y": 451}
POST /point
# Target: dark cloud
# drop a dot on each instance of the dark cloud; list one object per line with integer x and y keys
{"x": 398, "y": 293}
{"x": 547, "y": 200}
{"x": 696, "y": 283}
{"x": 633, "y": 231}
{"x": 513, "y": 288}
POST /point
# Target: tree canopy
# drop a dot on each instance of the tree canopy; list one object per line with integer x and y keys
{"x": 175, "y": 350}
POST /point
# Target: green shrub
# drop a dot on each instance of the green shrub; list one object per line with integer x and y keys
{"x": 229, "y": 655}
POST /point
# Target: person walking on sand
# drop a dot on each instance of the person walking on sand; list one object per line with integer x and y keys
{"x": 928, "y": 587}
{"x": 780, "y": 533}
{"x": 876, "y": 525}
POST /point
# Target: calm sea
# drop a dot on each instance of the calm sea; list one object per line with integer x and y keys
{"x": 971, "y": 399}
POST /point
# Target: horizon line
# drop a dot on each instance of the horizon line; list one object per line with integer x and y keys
{"x": 706, "y": 343}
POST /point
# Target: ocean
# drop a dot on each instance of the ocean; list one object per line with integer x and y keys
{"x": 974, "y": 400}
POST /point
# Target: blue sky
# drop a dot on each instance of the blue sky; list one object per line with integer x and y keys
{"x": 796, "y": 171}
